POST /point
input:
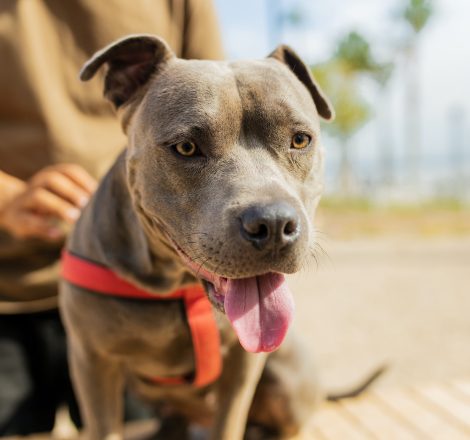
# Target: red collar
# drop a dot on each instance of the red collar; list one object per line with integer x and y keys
{"x": 205, "y": 334}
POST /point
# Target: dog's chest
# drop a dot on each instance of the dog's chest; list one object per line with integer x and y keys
{"x": 154, "y": 338}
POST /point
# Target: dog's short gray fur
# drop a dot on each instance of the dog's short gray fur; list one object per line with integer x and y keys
{"x": 242, "y": 115}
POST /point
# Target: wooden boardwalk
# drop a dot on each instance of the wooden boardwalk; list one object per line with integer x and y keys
{"x": 434, "y": 412}
{"x": 440, "y": 412}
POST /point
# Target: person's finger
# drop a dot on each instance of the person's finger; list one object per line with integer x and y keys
{"x": 30, "y": 225}
{"x": 67, "y": 189}
{"x": 80, "y": 177}
{"x": 42, "y": 201}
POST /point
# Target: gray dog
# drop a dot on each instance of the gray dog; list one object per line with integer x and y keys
{"x": 218, "y": 184}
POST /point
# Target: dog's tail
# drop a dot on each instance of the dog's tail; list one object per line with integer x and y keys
{"x": 359, "y": 389}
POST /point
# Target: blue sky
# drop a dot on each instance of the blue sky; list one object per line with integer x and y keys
{"x": 444, "y": 58}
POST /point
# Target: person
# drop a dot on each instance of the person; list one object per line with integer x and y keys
{"x": 57, "y": 138}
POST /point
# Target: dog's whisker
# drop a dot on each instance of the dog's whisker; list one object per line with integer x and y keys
{"x": 322, "y": 234}
{"x": 316, "y": 260}
{"x": 306, "y": 263}
{"x": 189, "y": 242}
{"x": 323, "y": 251}
{"x": 312, "y": 257}
{"x": 217, "y": 267}
{"x": 319, "y": 248}
{"x": 195, "y": 233}
{"x": 198, "y": 258}
{"x": 201, "y": 265}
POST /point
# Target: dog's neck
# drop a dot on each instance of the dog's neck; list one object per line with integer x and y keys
{"x": 123, "y": 238}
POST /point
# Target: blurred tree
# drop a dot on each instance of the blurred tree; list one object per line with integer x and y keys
{"x": 456, "y": 123}
{"x": 340, "y": 78}
{"x": 352, "y": 112}
{"x": 383, "y": 118}
{"x": 416, "y": 14}
{"x": 354, "y": 50}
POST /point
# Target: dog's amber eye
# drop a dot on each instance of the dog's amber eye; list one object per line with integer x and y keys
{"x": 186, "y": 148}
{"x": 300, "y": 140}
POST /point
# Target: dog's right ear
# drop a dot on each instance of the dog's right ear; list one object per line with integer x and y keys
{"x": 287, "y": 56}
{"x": 130, "y": 62}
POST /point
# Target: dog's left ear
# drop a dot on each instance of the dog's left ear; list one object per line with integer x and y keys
{"x": 287, "y": 56}
{"x": 130, "y": 62}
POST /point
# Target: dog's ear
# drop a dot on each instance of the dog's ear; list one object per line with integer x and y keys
{"x": 130, "y": 63}
{"x": 286, "y": 55}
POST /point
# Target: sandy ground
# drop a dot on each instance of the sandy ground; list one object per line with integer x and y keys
{"x": 404, "y": 301}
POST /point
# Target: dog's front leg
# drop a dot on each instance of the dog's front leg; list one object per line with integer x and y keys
{"x": 237, "y": 385}
{"x": 99, "y": 384}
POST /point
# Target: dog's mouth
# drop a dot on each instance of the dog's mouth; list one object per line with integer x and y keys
{"x": 260, "y": 308}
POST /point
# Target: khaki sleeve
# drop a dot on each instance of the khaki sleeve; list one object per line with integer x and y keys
{"x": 202, "y": 39}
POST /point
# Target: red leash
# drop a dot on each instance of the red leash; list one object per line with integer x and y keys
{"x": 204, "y": 331}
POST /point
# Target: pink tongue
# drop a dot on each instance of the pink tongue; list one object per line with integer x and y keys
{"x": 260, "y": 310}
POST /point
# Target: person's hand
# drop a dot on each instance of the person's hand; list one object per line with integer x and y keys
{"x": 37, "y": 208}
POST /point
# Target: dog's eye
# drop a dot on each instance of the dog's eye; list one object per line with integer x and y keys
{"x": 300, "y": 141}
{"x": 187, "y": 148}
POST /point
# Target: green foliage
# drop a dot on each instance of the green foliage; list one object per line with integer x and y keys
{"x": 354, "y": 50}
{"x": 339, "y": 78}
{"x": 417, "y": 13}
{"x": 352, "y": 111}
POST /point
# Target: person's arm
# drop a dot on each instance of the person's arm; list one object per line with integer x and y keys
{"x": 35, "y": 207}
{"x": 10, "y": 187}
{"x": 202, "y": 38}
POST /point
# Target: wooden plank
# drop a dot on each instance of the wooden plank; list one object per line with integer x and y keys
{"x": 381, "y": 424}
{"x": 428, "y": 424}
{"x": 450, "y": 406}
{"x": 311, "y": 432}
{"x": 314, "y": 434}
{"x": 435, "y": 412}
{"x": 334, "y": 424}
{"x": 462, "y": 387}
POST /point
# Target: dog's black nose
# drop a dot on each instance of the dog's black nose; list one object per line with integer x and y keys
{"x": 270, "y": 226}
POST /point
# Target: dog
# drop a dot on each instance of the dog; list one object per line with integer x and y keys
{"x": 218, "y": 185}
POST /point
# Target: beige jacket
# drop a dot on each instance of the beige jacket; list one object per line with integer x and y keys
{"x": 48, "y": 116}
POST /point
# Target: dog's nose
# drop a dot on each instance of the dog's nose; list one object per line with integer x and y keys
{"x": 270, "y": 226}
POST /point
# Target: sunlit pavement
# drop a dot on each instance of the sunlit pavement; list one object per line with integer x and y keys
{"x": 405, "y": 302}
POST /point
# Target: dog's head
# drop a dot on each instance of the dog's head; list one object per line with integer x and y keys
{"x": 226, "y": 158}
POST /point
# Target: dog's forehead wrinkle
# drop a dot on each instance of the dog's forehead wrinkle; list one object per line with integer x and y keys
{"x": 272, "y": 99}
{"x": 223, "y": 102}
{"x": 191, "y": 95}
